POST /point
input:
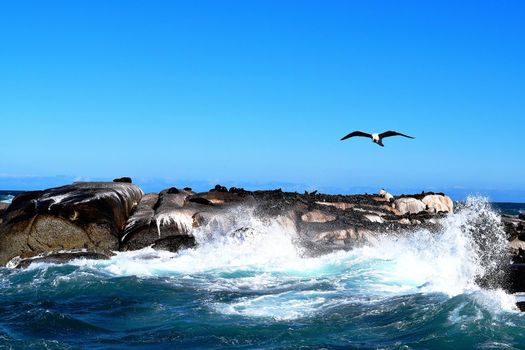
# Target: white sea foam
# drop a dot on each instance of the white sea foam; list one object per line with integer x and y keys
{"x": 7, "y": 199}
{"x": 243, "y": 252}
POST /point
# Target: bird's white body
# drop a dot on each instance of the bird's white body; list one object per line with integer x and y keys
{"x": 375, "y": 138}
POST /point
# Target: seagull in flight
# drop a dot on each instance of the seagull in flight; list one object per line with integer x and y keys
{"x": 376, "y": 138}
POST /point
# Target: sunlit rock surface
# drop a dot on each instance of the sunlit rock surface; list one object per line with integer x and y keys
{"x": 101, "y": 217}
{"x": 84, "y": 215}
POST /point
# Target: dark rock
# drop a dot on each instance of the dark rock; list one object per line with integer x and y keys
{"x": 3, "y": 207}
{"x": 173, "y": 190}
{"x": 236, "y": 190}
{"x": 175, "y": 243}
{"x": 95, "y": 216}
{"x": 521, "y": 216}
{"x": 219, "y": 188}
{"x": 214, "y": 198}
{"x": 420, "y": 195}
{"x": 516, "y": 278}
{"x": 60, "y": 258}
{"x": 159, "y": 217}
{"x": 88, "y": 215}
{"x": 521, "y": 305}
{"x": 141, "y": 224}
{"x": 200, "y": 200}
{"x": 188, "y": 189}
{"x": 123, "y": 179}
{"x": 514, "y": 227}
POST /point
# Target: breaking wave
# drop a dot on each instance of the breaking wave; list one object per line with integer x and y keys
{"x": 8, "y": 198}
{"x": 248, "y": 279}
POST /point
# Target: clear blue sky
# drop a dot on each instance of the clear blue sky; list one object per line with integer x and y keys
{"x": 258, "y": 93}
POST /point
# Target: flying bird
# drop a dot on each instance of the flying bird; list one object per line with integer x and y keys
{"x": 376, "y": 138}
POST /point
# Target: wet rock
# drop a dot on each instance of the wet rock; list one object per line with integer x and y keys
{"x": 58, "y": 258}
{"x": 342, "y": 234}
{"x": 219, "y": 188}
{"x": 200, "y": 200}
{"x": 175, "y": 243}
{"x": 140, "y": 224}
{"x": 516, "y": 278}
{"x": 168, "y": 220}
{"x": 124, "y": 179}
{"x": 88, "y": 215}
{"x": 170, "y": 214}
{"x": 173, "y": 190}
{"x": 3, "y": 207}
{"x": 514, "y": 227}
{"x": 216, "y": 197}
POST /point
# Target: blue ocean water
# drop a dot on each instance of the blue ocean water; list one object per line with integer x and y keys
{"x": 509, "y": 208}
{"x": 7, "y": 196}
{"x": 261, "y": 290}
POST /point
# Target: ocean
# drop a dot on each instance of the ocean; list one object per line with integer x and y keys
{"x": 260, "y": 290}
{"x": 7, "y": 196}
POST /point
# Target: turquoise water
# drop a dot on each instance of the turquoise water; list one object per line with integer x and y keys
{"x": 261, "y": 290}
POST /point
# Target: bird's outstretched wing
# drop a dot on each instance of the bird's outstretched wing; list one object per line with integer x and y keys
{"x": 392, "y": 133}
{"x": 356, "y": 133}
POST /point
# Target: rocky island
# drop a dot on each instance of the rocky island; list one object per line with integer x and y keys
{"x": 96, "y": 219}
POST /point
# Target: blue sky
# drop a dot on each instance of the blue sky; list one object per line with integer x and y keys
{"x": 258, "y": 93}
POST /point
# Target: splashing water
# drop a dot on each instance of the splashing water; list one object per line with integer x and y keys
{"x": 249, "y": 284}
{"x": 243, "y": 252}
{"x": 6, "y": 198}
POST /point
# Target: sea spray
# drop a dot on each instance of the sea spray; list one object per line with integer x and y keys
{"x": 248, "y": 284}
{"x": 468, "y": 249}
{"x": 482, "y": 226}
{"x": 8, "y": 198}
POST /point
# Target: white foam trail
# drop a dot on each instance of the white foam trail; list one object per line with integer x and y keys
{"x": 243, "y": 252}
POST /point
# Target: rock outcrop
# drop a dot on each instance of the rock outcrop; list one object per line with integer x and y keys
{"x": 100, "y": 217}
{"x": 409, "y": 205}
{"x": 124, "y": 179}
{"x": 94, "y": 219}
{"x": 438, "y": 203}
{"x": 3, "y": 207}
{"x": 321, "y": 222}
{"x": 515, "y": 228}
{"x": 58, "y": 258}
{"x": 164, "y": 220}
{"x": 84, "y": 215}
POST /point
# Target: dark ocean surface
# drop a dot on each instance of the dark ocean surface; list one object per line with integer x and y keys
{"x": 262, "y": 291}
